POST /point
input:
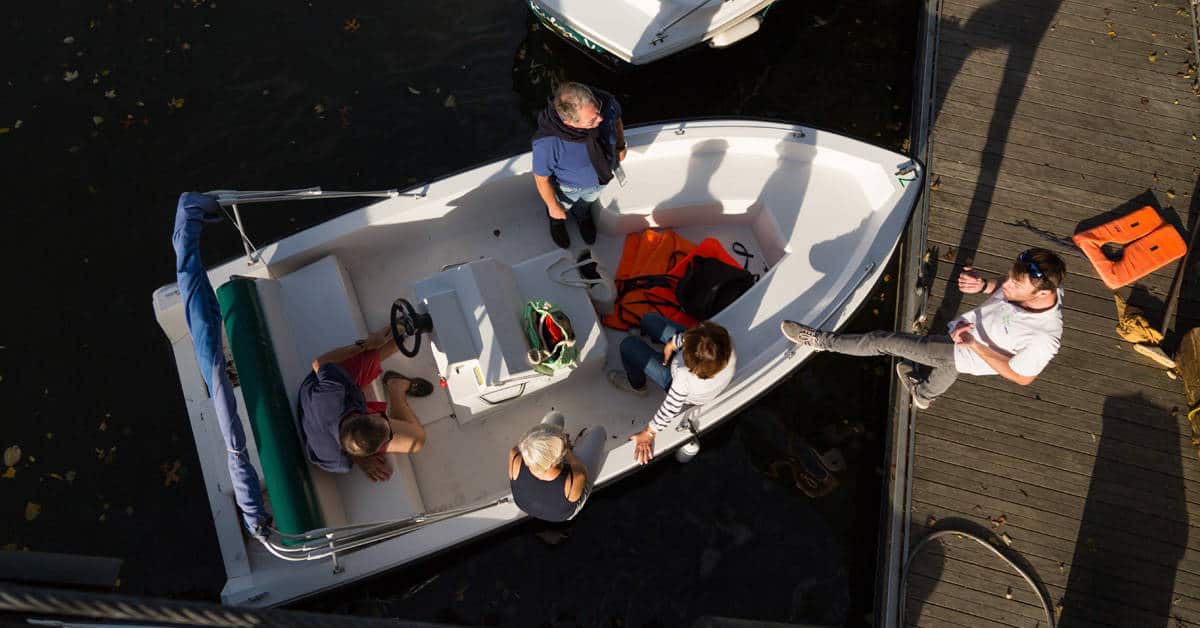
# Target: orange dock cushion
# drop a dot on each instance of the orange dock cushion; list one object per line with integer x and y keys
{"x": 1149, "y": 243}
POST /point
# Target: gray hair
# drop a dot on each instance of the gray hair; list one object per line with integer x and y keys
{"x": 569, "y": 98}
{"x": 543, "y": 447}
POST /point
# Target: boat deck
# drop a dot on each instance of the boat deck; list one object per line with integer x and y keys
{"x": 1048, "y": 114}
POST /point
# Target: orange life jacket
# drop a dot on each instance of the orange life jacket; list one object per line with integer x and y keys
{"x": 1149, "y": 245}
{"x": 651, "y": 264}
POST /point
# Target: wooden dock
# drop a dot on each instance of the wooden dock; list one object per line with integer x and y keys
{"x": 1049, "y": 114}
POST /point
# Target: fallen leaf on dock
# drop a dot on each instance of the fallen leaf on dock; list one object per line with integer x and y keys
{"x": 70, "y": 75}
{"x": 9, "y": 473}
{"x": 414, "y": 91}
{"x": 1152, "y": 57}
{"x": 999, "y": 521}
{"x": 450, "y": 102}
{"x": 931, "y": 521}
{"x": 32, "y": 510}
{"x": 351, "y": 25}
{"x": 1008, "y": 594}
{"x": 1006, "y": 538}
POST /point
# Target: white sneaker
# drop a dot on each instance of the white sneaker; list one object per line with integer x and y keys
{"x": 905, "y": 371}
{"x": 621, "y": 382}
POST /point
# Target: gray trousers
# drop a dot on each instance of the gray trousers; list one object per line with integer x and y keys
{"x": 589, "y": 449}
{"x": 936, "y": 352}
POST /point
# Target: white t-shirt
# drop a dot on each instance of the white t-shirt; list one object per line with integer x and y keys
{"x": 1030, "y": 338}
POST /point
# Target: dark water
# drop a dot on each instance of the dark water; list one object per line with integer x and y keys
{"x": 204, "y": 95}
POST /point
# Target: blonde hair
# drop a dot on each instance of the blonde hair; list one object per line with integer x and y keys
{"x": 543, "y": 447}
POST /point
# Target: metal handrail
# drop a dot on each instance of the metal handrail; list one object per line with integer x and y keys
{"x": 325, "y": 543}
{"x": 233, "y": 198}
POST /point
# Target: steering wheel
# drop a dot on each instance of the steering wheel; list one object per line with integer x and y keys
{"x": 407, "y": 323}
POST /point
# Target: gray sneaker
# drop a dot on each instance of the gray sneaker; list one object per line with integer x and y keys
{"x": 802, "y": 335}
{"x": 621, "y": 382}
{"x": 905, "y": 371}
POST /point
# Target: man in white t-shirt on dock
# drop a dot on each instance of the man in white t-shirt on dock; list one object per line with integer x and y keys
{"x": 1013, "y": 334}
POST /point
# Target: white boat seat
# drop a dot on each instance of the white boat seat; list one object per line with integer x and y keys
{"x": 479, "y": 340}
{"x": 308, "y": 312}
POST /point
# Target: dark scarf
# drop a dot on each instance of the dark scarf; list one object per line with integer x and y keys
{"x": 598, "y": 150}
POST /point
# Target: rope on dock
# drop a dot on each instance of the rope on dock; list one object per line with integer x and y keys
{"x": 937, "y": 534}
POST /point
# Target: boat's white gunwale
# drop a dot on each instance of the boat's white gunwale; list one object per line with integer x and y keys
{"x": 671, "y": 45}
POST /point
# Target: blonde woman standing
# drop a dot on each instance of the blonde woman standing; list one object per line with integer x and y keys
{"x": 550, "y": 479}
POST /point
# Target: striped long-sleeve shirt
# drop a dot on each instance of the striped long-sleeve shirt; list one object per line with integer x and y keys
{"x": 687, "y": 389}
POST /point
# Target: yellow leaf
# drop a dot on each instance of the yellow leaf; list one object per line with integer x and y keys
{"x": 32, "y": 510}
{"x": 451, "y": 102}
{"x": 1112, "y": 34}
{"x": 56, "y": 476}
{"x": 12, "y": 455}
{"x": 9, "y": 473}
{"x": 1152, "y": 57}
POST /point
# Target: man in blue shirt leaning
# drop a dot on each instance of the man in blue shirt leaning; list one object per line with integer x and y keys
{"x": 579, "y": 140}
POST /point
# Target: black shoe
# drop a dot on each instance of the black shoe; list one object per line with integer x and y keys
{"x": 587, "y": 227}
{"x": 558, "y": 232}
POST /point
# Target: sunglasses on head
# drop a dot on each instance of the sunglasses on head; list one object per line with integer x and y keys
{"x": 1027, "y": 259}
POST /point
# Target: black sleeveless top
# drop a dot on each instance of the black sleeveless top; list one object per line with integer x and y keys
{"x": 545, "y": 500}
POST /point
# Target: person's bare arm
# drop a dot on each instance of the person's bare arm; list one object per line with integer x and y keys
{"x": 546, "y": 191}
{"x": 372, "y": 342}
{"x": 998, "y": 361}
{"x": 574, "y": 490}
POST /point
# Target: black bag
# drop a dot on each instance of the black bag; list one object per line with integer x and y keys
{"x": 709, "y": 286}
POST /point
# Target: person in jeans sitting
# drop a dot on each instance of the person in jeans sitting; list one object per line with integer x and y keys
{"x": 550, "y": 479}
{"x": 1014, "y": 334}
{"x": 694, "y": 366}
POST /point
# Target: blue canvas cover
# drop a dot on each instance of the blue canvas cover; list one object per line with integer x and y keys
{"x": 204, "y": 322}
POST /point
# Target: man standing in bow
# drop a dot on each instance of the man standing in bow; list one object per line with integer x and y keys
{"x": 579, "y": 140}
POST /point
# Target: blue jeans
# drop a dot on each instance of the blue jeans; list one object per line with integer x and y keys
{"x": 642, "y": 361}
{"x": 578, "y": 201}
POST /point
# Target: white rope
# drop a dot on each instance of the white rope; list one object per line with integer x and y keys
{"x": 940, "y": 533}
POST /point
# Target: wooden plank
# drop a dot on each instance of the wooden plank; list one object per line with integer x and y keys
{"x": 1062, "y": 27}
{"x": 1066, "y": 181}
{"x": 1136, "y": 67}
{"x": 1047, "y": 458}
{"x": 1082, "y": 162}
{"x": 1160, "y": 16}
{"x": 1078, "y": 131}
{"x": 1153, "y": 449}
{"x": 1131, "y": 35}
{"x": 929, "y": 614}
{"x": 994, "y": 607}
{"x": 1126, "y": 58}
{"x": 1066, "y": 502}
{"x": 1064, "y": 113}
{"x": 973, "y": 134}
{"x": 1065, "y": 74}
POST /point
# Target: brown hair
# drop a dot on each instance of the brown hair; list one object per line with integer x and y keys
{"x": 364, "y": 434}
{"x": 706, "y": 349}
{"x": 1040, "y": 261}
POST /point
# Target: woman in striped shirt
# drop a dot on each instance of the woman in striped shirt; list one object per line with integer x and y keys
{"x": 694, "y": 366}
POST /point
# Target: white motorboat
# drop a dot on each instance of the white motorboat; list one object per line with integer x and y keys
{"x": 820, "y": 213}
{"x": 637, "y": 32}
